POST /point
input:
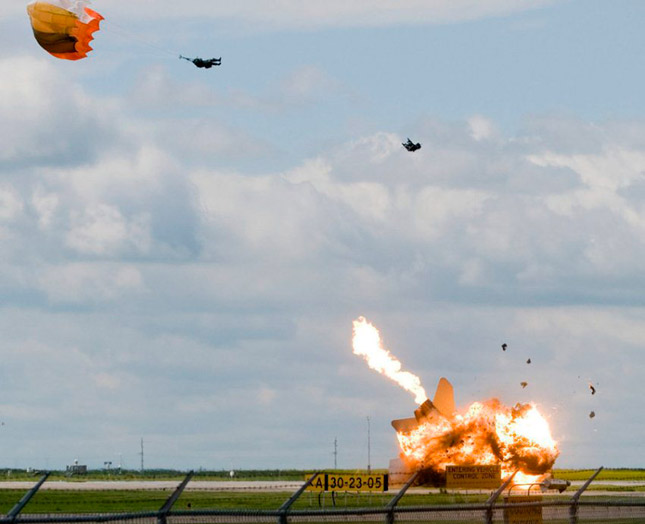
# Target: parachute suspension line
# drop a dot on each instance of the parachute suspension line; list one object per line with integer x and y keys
{"x": 113, "y": 27}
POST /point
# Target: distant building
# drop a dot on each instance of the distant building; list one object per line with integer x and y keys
{"x": 76, "y": 469}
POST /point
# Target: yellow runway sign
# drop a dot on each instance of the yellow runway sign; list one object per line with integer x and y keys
{"x": 348, "y": 482}
{"x": 473, "y": 477}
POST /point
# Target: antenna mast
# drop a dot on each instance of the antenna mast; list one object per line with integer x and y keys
{"x": 335, "y": 453}
{"x": 141, "y": 453}
{"x": 369, "y": 459}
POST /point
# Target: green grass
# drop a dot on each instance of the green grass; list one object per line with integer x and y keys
{"x": 121, "y": 501}
{"x": 605, "y": 474}
{"x": 85, "y": 501}
{"x": 608, "y": 487}
{"x": 125, "y": 501}
{"x": 159, "y": 474}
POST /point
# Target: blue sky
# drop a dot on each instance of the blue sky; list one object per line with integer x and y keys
{"x": 183, "y": 251}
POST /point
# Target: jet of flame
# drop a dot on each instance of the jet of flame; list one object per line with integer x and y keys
{"x": 366, "y": 342}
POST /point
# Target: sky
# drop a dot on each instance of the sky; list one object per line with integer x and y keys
{"x": 183, "y": 251}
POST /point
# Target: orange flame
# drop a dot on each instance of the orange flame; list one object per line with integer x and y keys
{"x": 366, "y": 342}
{"x": 517, "y": 438}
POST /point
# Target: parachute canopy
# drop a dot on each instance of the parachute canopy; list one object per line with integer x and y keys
{"x": 64, "y": 28}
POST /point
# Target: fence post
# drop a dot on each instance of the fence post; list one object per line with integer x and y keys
{"x": 493, "y": 498}
{"x": 13, "y": 512}
{"x": 284, "y": 509}
{"x": 165, "y": 509}
{"x": 389, "y": 516}
{"x": 573, "y": 508}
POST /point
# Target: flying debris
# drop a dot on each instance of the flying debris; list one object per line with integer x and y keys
{"x": 528, "y": 361}
{"x": 203, "y": 63}
{"x": 504, "y": 346}
{"x": 592, "y": 414}
{"x": 593, "y": 389}
{"x": 64, "y": 29}
{"x": 411, "y": 146}
{"x": 524, "y": 384}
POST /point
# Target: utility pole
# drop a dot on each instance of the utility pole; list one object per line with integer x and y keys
{"x": 335, "y": 453}
{"x": 369, "y": 451}
{"x": 141, "y": 453}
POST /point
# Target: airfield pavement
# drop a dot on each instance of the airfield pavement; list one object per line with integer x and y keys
{"x": 139, "y": 485}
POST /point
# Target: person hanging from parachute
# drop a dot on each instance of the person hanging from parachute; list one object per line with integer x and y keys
{"x": 204, "y": 63}
{"x": 64, "y": 28}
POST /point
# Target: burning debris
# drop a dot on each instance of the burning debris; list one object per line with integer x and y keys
{"x": 486, "y": 433}
{"x": 517, "y": 438}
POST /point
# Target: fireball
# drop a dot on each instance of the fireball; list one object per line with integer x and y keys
{"x": 517, "y": 438}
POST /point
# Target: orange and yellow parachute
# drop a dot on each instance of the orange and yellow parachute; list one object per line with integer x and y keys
{"x": 64, "y": 28}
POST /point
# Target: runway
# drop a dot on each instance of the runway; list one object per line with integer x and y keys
{"x": 139, "y": 485}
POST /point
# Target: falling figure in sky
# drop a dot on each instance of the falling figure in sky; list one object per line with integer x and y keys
{"x": 593, "y": 389}
{"x": 411, "y": 146}
{"x": 504, "y": 346}
{"x": 204, "y": 63}
{"x": 528, "y": 361}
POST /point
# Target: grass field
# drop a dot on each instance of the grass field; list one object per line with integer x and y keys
{"x": 125, "y": 501}
{"x": 121, "y": 501}
{"x": 160, "y": 474}
{"x": 605, "y": 474}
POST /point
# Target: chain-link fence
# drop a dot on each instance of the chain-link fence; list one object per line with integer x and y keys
{"x": 618, "y": 512}
{"x": 343, "y": 508}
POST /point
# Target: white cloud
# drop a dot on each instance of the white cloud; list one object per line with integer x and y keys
{"x": 610, "y": 169}
{"x": 155, "y": 87}
{"x": 103, "y": 230}
{"x": 267, "y": 214}
{"x": 481, "y": 128}
{"x": 45, "y": 116}
{"x": 89, "y": 283}
{"x": 46, "y": 205}
{"x": 435, "y": 207}
{"x": 11, "y": 204}
{"x": 106, "y": 380}
{"x": 309, "y": 83}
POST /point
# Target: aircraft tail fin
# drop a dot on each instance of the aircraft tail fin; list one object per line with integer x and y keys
{"x": 444, "y": 398}
{"x": 442, "y": 405}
